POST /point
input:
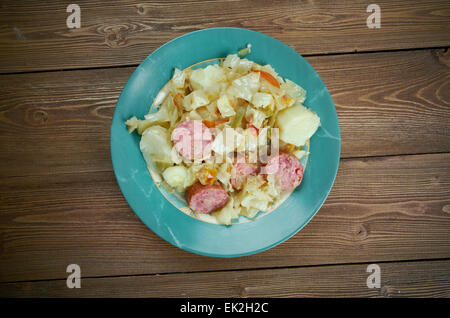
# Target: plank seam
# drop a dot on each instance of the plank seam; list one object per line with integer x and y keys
{"x": 237, "y": 270}
{"x": 304, "y": 55}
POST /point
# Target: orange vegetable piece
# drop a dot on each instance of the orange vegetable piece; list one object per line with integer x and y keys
{"x": 254, "y": 131}
{"x": 207, "y": 176}
{"x": 178, "y": 100}
{"x": 268, "y": 77}
{"x": 212, "y": 124}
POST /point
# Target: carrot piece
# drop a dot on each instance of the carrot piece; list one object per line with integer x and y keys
{"x": 253, "y": 130}
{"x": 268, "y": 77}
{"x": 178, "y": 100}
{"x": 212, "y": 124}
{"x": 207, "y": 176}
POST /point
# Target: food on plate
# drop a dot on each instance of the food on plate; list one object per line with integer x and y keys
{"x": 243, "y": 169}
{"x": 230, "y": 137}
{"x": 206, "y": 198}
{"x": 191, "y": 145}
{"x": 287, "y": 167}
{"x": 297, "y": 124}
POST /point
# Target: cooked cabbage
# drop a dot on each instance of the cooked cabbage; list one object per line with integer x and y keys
{"x": 262, "y": 100}
{"x": 284, "y": 101}
{"x": 252, "y": 196}
{"x": 178, "y": 79}
{"x": 227, "y": 213}
{"x": 273, "y": 186}
{"x": 211, "y": 80}
{"x": 159, "y": 117}
{"x": 166, "y": 114}
{"x": 249, "y": 212}
{"x": 231, "y": 61}
{"x": 294, "y": 90}
{"x": 269, "y": 69}
{"x": 224, "y": 106}
{"x": 224, "y": 175}
{"x": 133, "y": 123}
{"x": 245, "y": 86}
{"x": 156, "y": 145}
{"x": 195, "y": 99}
{"x": 194, "y": 115}
{"x": 255, "y": 117}
{"x": 237, "y": 65}
{"x": 251, "y": 140}
{"x": 228, "y": 140}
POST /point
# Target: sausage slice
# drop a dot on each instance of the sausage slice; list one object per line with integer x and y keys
{"x": 192, "y": 140}
{"x": 243, "y": 170}
{"x": 206, "y": 198}
{"x": 287, "y": 167}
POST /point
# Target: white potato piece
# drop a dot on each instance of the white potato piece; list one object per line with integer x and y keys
{"x": 175, "y": 176}
{"x": 297, "y": 124}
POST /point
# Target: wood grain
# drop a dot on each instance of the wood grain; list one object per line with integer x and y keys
{"x": 34, "y": 35}
{"x": 60, "y": 203}
{"x": 395, "y": 103}
{"x": 380, "y": 209}
{"x": 404, "y": 279}
{"x": 387, "y": 104}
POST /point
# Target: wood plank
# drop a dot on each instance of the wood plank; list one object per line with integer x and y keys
{"x": 34, "y": 35}
{"x": 404, "y": 279}
{"x": 58, "y": 122}
{"x": 380, "y": 209}
{"x": 387, "y": 104}
{"x": 390, "y": 103}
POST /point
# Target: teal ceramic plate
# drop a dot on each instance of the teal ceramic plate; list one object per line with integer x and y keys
{"x": 161, "y": 216}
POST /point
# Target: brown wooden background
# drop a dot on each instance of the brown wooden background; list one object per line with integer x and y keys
{"x": 60, "y": 204}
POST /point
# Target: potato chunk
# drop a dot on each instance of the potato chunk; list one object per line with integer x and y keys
{"x": 175, "y": 176}
{"x": 297, "y": 124}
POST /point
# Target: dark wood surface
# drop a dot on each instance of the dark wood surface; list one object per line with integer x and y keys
{"x": 424, "y": 279}
{"x": 35, "y": 35}
{"x": 60, "y": 203}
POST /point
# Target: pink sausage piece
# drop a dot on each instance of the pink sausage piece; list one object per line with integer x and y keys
{"x": 243, "y": 170}
{"x": 192, "y": 140}
{"x": 206, "y": 198}
{"x": 288, "y": 167}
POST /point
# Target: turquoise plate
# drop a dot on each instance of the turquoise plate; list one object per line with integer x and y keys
{"x": 161, "y": 216}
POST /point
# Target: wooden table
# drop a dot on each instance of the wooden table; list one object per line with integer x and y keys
{"x": 60, "y": 203}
